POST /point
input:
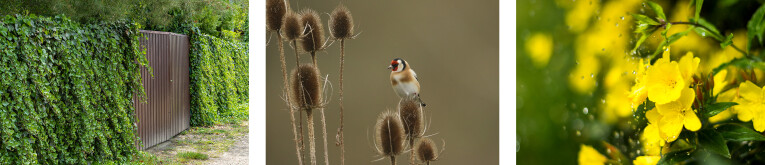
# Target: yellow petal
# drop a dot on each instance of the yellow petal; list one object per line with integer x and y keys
{"x": 720, "y": 81}
{"x": 744, "y": 114}
{"x": 651, "y": 140}
{"x": 670, "y": 126}
{"x": 691, "y": 122}
{"x": 759, "y": 121}
{"x": 683, "y": 103}
{"x": 646, "y": 160}
{"x": 653, "y": 116}
{"x": 724, "y": 115}
{"x": 590, "y": 156}
{"x": 750, "y": 91}
{"x": 665, "y": 83}
{"x": 688, "y": 66}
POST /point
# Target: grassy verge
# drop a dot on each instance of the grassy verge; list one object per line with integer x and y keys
{"x": 195, "y": 145}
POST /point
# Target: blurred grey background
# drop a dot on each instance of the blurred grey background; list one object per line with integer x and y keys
{"x": 453, "y": 45}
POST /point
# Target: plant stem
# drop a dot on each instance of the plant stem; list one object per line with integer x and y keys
{"x": 313, "y": 57}
{"x": 342, "y": 64}
{"x": 710, "y": 30}
{"x": 289, "y": 105}
{"x": 411, "y": 154}
{"x": 324, "y": 132}
{"x": 300, "y": 94}
{"x": 311, "y": 136}
{"x": 393, "y": 160}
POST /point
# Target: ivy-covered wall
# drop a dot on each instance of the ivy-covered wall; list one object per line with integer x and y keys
{"x": 218, "y": 80}
{"x": 66, "y": 90}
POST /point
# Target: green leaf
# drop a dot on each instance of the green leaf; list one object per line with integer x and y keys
{"x": 708, "y": 29}
{"x": 755, "y": 27}
{"x": 675, "y": 157}
{"x": 728, "y": 41}
{"x": 642, "y": 19}
{"x": 658, "y": 10}
{"x": 737, "y": 132}
{"x": 698, "y": 8}
{"x": 671, "y": 39}
{"x": 713, "y": 141}
{"x": 643, "y": 37}
{"x": 716, "y": 108}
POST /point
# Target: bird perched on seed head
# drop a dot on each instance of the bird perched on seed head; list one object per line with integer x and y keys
{"x": 404, "y": 80}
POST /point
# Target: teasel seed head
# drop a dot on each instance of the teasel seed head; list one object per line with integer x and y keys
{"x": 411, "y": 115}
{"x": 311, "y": 84}
{"x": 426, "y": 150}
{"x": 313, "y": 37}
{"x": 275, "y": 10}
{"x": 390, "y": 135}
{"x": 292, "y": 27}
{"x": 341, "y": 23}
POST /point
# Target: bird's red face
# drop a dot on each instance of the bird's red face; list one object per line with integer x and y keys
{"x": 393, "y": 65}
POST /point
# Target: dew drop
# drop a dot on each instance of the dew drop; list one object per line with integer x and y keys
{"x": 703, "y": 34}
{"x": 592, "y": 75}
{"x": 617, "y": 24}
{"x": 585, "y": 110}
{"x": 622, "y": 17}
{"x": 603, "y": 100}
{"x": 578, "y": 133}
{"x": 634, "y": 72}
{"x": 608, "y": 151}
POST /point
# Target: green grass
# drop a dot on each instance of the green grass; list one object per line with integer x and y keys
{"x": 193, "y": 155}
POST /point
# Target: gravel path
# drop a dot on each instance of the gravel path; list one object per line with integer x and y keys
{"x": 235, "y": 155}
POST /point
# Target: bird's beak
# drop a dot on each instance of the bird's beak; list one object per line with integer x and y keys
{"x": 389, "y": 66}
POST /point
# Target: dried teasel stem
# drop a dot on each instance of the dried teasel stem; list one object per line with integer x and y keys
{"x": 341, "y": 27}
{"x": 292, "y": 109}
{"x": 410, "y": 111}
{"x": 324, "y": 133}
{"x": 313, "y": 39}
{"x": 307, "y": 92}
{"x": 292, "y": 28}
{"x": 311, "y": 137}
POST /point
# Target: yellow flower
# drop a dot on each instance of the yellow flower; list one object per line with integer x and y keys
{"x": 590, "y": 156}
{"x": 688, "y": 66}
{"x": 639, "y": 92}
{"x": 651, "y": 139}
{"x": 664, "y": 80}
{"x": 720, "y": 82}
{"x": 581, "y": 77}
{"x": 727, "y": 96}
{"x": 540, "y": 46}
{"x": 752, "y": 105}
{"x": 676, "y": 114}
{"x": 646, "y": 160}
{"x": 578, "y": 18}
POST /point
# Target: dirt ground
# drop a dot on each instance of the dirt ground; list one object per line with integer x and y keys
{"x": 223, "y": 144}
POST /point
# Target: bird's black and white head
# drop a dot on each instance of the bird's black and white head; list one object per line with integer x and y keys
{"x": 397, "y": 65}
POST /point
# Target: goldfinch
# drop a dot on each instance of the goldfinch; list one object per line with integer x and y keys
{"x": 404, "y": 80}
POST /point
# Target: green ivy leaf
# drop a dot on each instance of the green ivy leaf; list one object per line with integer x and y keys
{"x": 711, "y": 140}
{"x": 714, "y": 109}
{"x": 756, "y": 27}
{"x": 737, "y": 132}
{"x": 675, "y": 157}
{"x": 658, "y": 10}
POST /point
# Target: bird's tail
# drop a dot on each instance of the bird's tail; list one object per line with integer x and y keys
{"x": 420, "y": 99}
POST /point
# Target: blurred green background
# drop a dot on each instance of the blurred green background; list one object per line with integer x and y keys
{"x": 453, "y": 45}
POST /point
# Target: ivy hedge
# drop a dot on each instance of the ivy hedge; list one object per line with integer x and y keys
{"x": 66, "y": 90}
{"x": 218, "y": 80}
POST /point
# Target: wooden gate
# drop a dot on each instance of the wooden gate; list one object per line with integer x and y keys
{"x": 166, "y": 111}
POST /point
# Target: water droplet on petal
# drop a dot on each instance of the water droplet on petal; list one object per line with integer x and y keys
{"x": 592, "y": 75}
{"x": 622, "y": 17}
